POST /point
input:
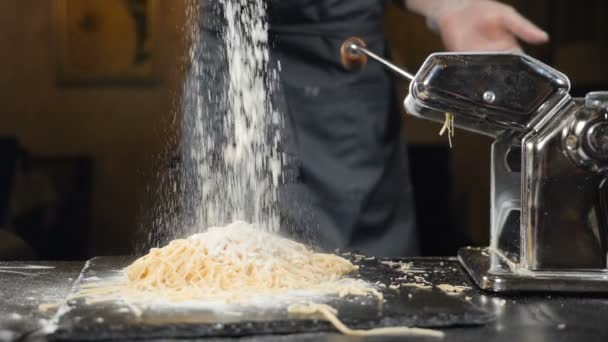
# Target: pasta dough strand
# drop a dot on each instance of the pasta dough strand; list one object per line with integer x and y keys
{"x": 330, "y": 314}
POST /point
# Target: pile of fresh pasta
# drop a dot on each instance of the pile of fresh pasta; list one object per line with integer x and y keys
{"x": 233, "y": 262}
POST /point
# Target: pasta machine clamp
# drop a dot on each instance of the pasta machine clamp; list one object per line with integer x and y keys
{"x": 549, "y": 166}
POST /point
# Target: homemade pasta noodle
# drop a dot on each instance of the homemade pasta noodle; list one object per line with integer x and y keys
{"x": 233, "y": 262}
{"x": 330, "y": 314}
{"x": 448, "y": 126}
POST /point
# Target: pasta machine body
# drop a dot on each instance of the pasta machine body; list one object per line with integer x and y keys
{"x": 549, "y": 215}
{"x": 549, "y": 164}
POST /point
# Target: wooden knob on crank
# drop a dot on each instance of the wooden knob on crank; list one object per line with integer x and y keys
{"x": 352, "y": 58}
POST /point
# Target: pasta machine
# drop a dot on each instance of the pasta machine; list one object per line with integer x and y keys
{"x": 549, "y": 165}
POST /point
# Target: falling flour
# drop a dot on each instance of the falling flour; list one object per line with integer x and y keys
{"x": 231, "y": 166}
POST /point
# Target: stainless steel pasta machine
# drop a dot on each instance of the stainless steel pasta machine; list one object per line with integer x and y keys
{"x": 549, "y": 167}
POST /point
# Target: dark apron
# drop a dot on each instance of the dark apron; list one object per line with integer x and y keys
{"x": 346, "y": 176}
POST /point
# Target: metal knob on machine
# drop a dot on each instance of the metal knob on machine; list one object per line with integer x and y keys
{"x": 586, "y": 138}
{"x": 597, "y": 133}
{"x": 597, "y": 140}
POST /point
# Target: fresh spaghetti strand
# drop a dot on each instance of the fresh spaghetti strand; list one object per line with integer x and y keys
{"x": 448, "y": 126}
{"x": 330, "y": 314}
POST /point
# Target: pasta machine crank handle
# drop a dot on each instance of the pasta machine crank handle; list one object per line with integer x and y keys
{"x": 355, "y": 53}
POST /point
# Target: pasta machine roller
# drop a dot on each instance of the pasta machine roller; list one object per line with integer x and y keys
{"x": 548, "y": 171}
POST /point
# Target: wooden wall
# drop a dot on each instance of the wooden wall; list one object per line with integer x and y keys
{"x": 125, "y": 128}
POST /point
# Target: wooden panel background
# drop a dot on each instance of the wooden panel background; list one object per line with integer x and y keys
{"x": 124, "y": 128}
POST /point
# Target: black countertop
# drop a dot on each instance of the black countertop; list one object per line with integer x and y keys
{"x": 531, "y": 317}
{"x": 24, "y": 287}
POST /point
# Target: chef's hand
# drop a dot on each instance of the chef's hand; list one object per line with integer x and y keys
{"x": 478, "y": 25}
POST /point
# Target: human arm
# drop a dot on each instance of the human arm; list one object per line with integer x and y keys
{"x": 478, "y": 25}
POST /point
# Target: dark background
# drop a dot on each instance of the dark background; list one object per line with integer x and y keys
{"x": 83, "y": 135}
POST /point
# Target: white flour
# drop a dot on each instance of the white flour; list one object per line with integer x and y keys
{"x": 230, "y": 161}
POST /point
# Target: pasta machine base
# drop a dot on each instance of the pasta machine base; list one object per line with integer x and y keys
{"x": 491, "y": 271}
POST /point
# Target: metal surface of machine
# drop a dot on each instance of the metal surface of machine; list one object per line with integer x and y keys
{"x": 549, "y": 216}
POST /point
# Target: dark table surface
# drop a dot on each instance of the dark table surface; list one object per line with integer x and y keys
{"x": 530, "y": 317}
